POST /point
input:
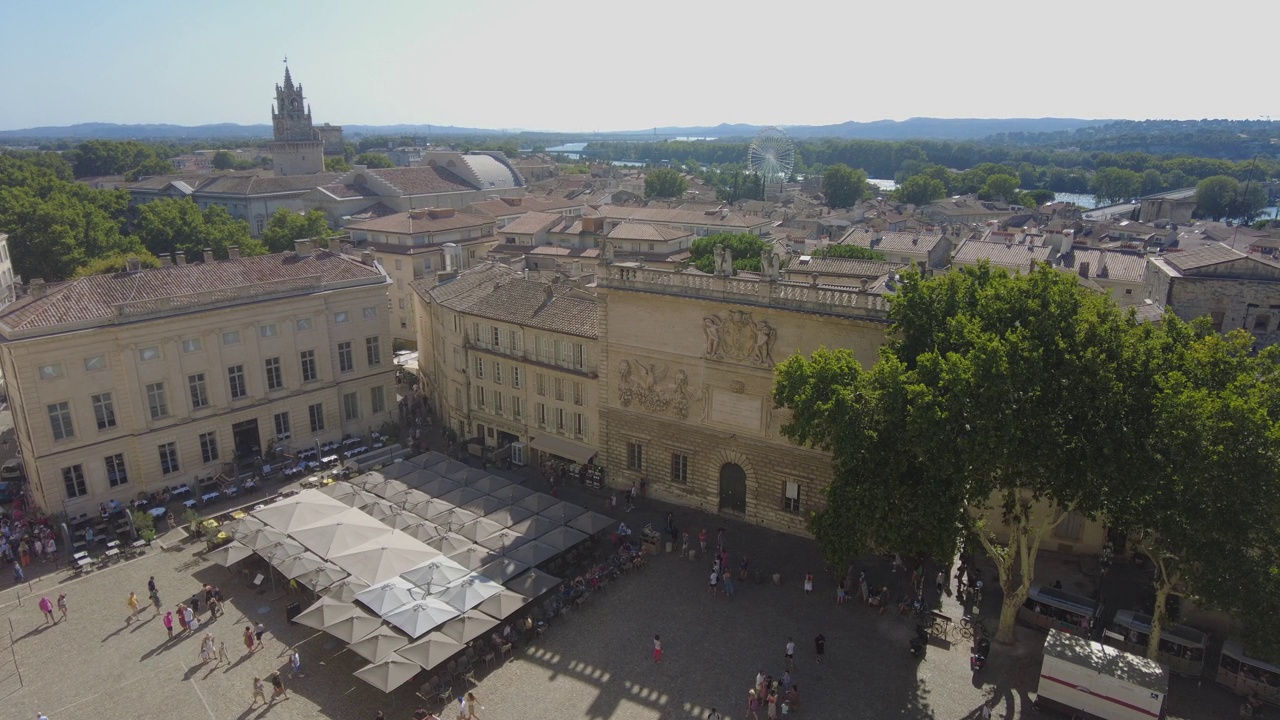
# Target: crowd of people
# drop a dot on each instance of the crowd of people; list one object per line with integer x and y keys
{"x": 26, "y": 538}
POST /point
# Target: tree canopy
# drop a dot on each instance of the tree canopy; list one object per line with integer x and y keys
{"x": 920, "y": 190}
{"x": 856, "y": 252}
{"x": 109, "y": 157}
{"x": 664, "y": 183}
{"x": 1000, "y": 187}
{"x": 843, "y": 186}
{"x": 285, "y": 226}
{"x": 745, "y": 248}
{"x": 173, "y": 225}
{"x": 374, "y": 160}
{"x": 1115, "y": 184}
{"x": 1223, "y": 196}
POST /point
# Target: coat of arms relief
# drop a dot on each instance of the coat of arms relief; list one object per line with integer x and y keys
{"x": 739, "y": 338}
{"x": 642, "y": 383}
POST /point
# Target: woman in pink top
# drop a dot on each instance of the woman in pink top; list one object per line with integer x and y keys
{"x": 46, "y": 607}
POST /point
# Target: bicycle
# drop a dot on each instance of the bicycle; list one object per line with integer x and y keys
{"x": 972, "y": 627}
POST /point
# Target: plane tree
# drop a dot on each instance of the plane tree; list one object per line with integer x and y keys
{"x": 997, "y": 396}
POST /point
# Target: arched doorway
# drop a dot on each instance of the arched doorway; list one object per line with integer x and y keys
{"x": 733, "y": 488}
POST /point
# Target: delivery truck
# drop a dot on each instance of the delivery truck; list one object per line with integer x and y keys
{"x": 1082, "y": 676}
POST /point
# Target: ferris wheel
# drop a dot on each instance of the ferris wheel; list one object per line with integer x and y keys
{"x": 772, "y": 155}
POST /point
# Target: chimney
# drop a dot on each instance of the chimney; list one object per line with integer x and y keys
{"x": 513, "y": 201}
{"x": 208, "y": 255}
{"x": 1084, "y": 270}
{"x": 165, "y": 261}
{"x": 550, "y": 291}
{"x": 302, "y": 248}
{"x": 366, "y": 258}
{"x": 419, "y": 214}
{"x": 132, "y": 264}
{"x": 438, "y": 213}
{"x": 37, "y": 288}
{"x": 179, "y": 258}
{"x": 233, "y": 252}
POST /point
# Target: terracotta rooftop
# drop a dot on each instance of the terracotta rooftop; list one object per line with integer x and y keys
{"x": 720, "y": 218}
{"x": 100, "y": 297}
{"x": 1106, "y": 264}
{"x": 266, "y": 184}
{"x": 646, "y": 232}
{"x": 852, "y": 267}
{"x": 497, "y": 292}
{"x": 421, "y": 221}
{"x": 348, "y": 191}
{"x": 1203, "y": 257}
{"x": 901, "y": 242}
{"x": 531, "y": 223}
{"x": 424, "y": 180}
{"x": 1012, "y": 257}
{"x": 507, "y": 207}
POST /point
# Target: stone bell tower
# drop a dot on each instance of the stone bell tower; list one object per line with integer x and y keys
{"x": 296, "y": 148}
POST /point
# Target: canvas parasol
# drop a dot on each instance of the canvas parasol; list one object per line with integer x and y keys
{"x": 468, "y": 626}
{"x": 378, "y": 644}
{"x": 489, "y": 484}
{"x": 384, "y": 557}
{"x": 434, "y": 575}
{"x": 502, "y": 569}
{"x": 538, "y": 502}
{"x": 449, "y": 543}
{"x": 431, "y": 650}
{"x": 230, "y": 554}
{"x": 389, "y": 673}
{"x": 322, "y": 577}
{"x": 470, "y": 592}
{"x": 345, "y": 590}
{"x": 563, "y": 512}
{"x": 533, "y": 584}
{"x": 461, "y": 496}
{"x": 390, "y": 595}
{"x": 503, "y": 604}
{"x": 421, "y": 617}
{"x": 591, "y": 523}
{"x": 478, "y": 529}
{"x": 510, "y": 515}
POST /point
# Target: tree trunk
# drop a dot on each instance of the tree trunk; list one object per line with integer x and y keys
{"x": 1025, "y": 536}
{"x": 1164, "y": 584}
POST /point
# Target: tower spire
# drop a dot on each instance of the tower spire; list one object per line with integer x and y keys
{"x": 288, "y": 81}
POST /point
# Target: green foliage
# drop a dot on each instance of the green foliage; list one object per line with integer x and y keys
{"x": 108, "y": 157}
{"x": 168, "y": 225}
{"x": 999, "y": 187}
{"x": 374, "y": 160}
{"x": 142, "y": 522}
{"x": 1034, "y": 198}
{"x": 664, "y": 183}
{"x": 745, "y": 248}
{"x": 856, "y": 252}
{"x": 575, "y": 169}
{"x": 149, "y": 167}
{"x": 843, "y": 186}
{"x": 1115, "y": 184}
{"x": 115, "y": 263}
{"x": 223, "y": 160}
{"x": 285, "y": 226}
{"x": 920, "y": 190}
{"x": 336, "y": 164}
{"x": 1222, "y": 196}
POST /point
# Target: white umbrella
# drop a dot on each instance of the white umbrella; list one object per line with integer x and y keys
{"x": 533, "y": 553}
{"x": 345, "y": 590}
{"x": 366, "y": 480}
{"x": 461, "y": 496}
{"x": 305, "y": 509}
{"x": 533, "y": 584}
{"x": 264, "y": 537}
{"x": 538, "y": 502}
{"x": 512, "y": 493}
{"x": 339, "y": 490}
{"x": 503, "y": 540}
{"x": 468, "y": 626}
{"x": 424, "y": 530}
{"x": 300, "y": 564}
{"x": 326, "y": 611}
{"x": 591, "y": 522}
{"x": 453, "y": 519}
{"x": 535, "y": 526}
{"x": 398, "y": 469}
{"x": 421, "y": 617}
{"x": 449, "y": 543}
{"x": 485, "y": 505}
{"x": 401, "y": 520}
{"x": 478, "y": 529}
{"x": 468, "y": 593}
{"x": 510, "y": 515}
{"x": 243, "y": 527}
{"x": 428, "y": 509}
{"x": 431, "y": 650}
{"x": 387, "y": 488}
{"x": 385, "y": 597}
{"x": 389, "y": 673}
{"x": 282, "y": 550}
{"x": 563, "y": 512}
{"x": 502, "y": 569}
{"x": 230, "y": 554}
{"x": 467, "y": 475}
{"x": 440, "y": 487}
{"x": 473, "y": 557}
{"x": 418, "y": 477}
{"x": 409, "y": 498}
{"x": 385, "y": 557}
{"x": 450, "y": 468}
{"x": 380, "y": 509}
{"x": 322, "y": 577}
{"x": 430, "y": 460}
{"x": 562, "y": 538}
{"x": 503, "y": 604}
{"x": 378, "y": 644}
{"x": 351, "y": 530}
{"x": 353, "y": 627}
{"x": 435, "y": 574}
{"x": 489, "y": 484}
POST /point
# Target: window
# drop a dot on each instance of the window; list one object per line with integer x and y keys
{"x": 517, "y": 411}
{"x": 1217, "y": 317}
{"x": 346, "y": 363}
{"x": 559, "y": 387}
{"x": 147, "y": 354}
{"x": 116, "y": 474}
{"x": 168, "y": 458}
{"x": 635, "y": 456}
{"x": 267, "y": 331}
{"x": 517, "y": 342}
{"x": 308, "y": 358}
{"x": 1261, "y": 322}
{"x": 199, "y": 396}
{"x": 283, "y": 429}
{"x": 542, "y": 384}
{"x": 191, "y": 345}
{"x": 231, "y": 337}
{"x": 373, "y": 351}
{"x": 95, "y": 362}
{"x": 479, "y": 368}
{"x": 497, "y": 372}
{"x": 457, "y": 398}
{"x": 73, "y": 481}
{"x": 235, "y": 378}
{"x": 540, "y": 412}
{"x": 104, "y": 411}
{"x": 377, "y": 399}
{"x": 497, "y": 403}
{"x": 679, "y": 468}
{"x": 458, "y": 363}
{"x": 517, "y": 380}
{"x": 350, "y": 407}
{"x": 60, "y": 421}
{"x": 49, "y": 372}
{"x": 579, "y": 393}
{"x": 579, "y": 356}
{"x": 209, "y": 446}
{"x": 457, "y": 323}
{"x": 340, "y": 317}
{"x": 275, "y": 376}
{"x": 157, "y": 401}
{"x": 316, "y": 414}
{"x": 791, "y": 496}
{"x": 480, "y": 397}
{"x": 1071, "y": 527}
{"x": 372, "y": 312}
{"x": 560, "y": 414}
{"x": 565, "y": 352}
{"x": 497, "y": 336}
{"x": 303, "y": 324}
{"x": 399, "y": 264}
{"x": 579, "y": 425}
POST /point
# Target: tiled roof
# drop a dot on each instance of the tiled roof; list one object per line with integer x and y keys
{"x": 531, "y": 223}
{"x": 1203, "y": 257}
{"x": 96, "y": 297}
{"x": 647, "y": 232}
{"x": 348, "y": 191}
{"x": 724, "y": 218}
{"x": 1014, "y": 257}
{"x": 266, "y": 184}
{"x": 491, "y": 173}
{"x": 497, "y": 292}
{"x": 160, "y": 182}
{"x": 398, "y": 249}
{"x": 843, "y": 266}
{"x": 509, "y": 249}
{"x": 506, "y": 207}
{"x": 376, "y": 210}
{"x": 902, "y": 242}
{"x": 406, "y": 224}
{"x": 1106, "y": 264}
{"x": 424, "y": 180}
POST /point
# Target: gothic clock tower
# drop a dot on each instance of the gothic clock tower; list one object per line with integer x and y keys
{"x": 296, "y": 148}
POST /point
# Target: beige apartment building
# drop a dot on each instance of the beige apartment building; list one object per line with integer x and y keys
{"x": 123, "y": 383}
{"x": 511, "y": 363}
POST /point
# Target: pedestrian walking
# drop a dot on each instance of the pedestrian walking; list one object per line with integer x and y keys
{"x": 207, "y": 649}
{"x": 155, "y": 600}
{"x": 62, "y": 605}
{"x": 728, "y": 584}
{"x": 468, "y": 708}
{"x": 215, "y": 609}
{"x": 785, "y": 682}
{"x": 151, "y": 585}
{"x": 248, "y": 639}
{"x": 820, "y": 646}
{"x": 50, "y": 549}
{"x": 259, "y": 692}
{"x": 258, "y": 632}
{"x": 790, "y": 657}
{"x": 715, "y": 577}
{"x": 17, "y": 574}
{"x": 46, "y": 608}
{"x": 841, "y": 594}
{"x": 222, "y": 653}
{"x": 277, "y": 687}
{"x": 657, "y": 649}
{"x": 772, "y": 705}
{"x": 296, "y": 661}
{"x": 134, "y": 606}
{"x": 863, "y": 590}
{"x": 753, "y": 704}
{"x": 193, "y": 622}
{"x": 168, "y": 623}
{"x": 702, "y": 540}
{"x": 713, "y": 715}
{"x": 942, "y": 582}
{"x": 808, "y": 583}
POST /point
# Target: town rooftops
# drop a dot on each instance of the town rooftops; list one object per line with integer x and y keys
{"x": 718, "y": 218}
{"x": 647, "y": 233}
{"x": 500, "y": 293}
{"x": 233, "y": 183}
{"x": 510, "y": 206}
{"x": 144, "y": 294}
{"x": 532, "y": 223}
{"x": 899, "y": 242}
{"x": 423, "y": 180}
{"x": 849, "y": 267}
{"x": 1013, "y": 257}
{"x": 421, "y": 221}
{"x": 1202, "y": 257}
{"x": 1105, "y": 264}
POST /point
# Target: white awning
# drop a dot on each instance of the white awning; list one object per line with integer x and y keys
{"x": 562, "y": 447}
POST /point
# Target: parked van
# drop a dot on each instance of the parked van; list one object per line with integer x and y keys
{"x": 12, "y": 471}
{"x": 1080, "y": 675}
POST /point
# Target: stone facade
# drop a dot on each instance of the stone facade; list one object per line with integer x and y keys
{"x": 1233, "y": 289}
{"x": 298, "y": 147}
{"x": 686, "y": 379}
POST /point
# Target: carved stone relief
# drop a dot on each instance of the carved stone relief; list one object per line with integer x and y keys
{"x": 641, "y": 383}
{"x": 738, "y": 338}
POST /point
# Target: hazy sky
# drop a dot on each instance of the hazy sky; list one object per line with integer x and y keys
{"x": 601, "y": 65}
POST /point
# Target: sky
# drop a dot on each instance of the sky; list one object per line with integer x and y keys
{"x": 563, "y": 65}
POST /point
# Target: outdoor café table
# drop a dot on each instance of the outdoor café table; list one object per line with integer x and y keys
{"x": 80, "y": 544}
{"x": 210, "y": 523}
{"x": 250, "y": 485}
{"x": 189, "y": 503}
{"x": 182, "y": 489}
{"x": 328, "y": 481}
{"x": 156, "y": 512}
{"x": 84, "y": 562}
{"x": 113, "y": 552}
{"x": 113, "y": 544}
{"x": 237, "y": 514}
{"x": 138, "y": 544}
{"x": 208, "y": 497}
{"x": 329, "y": 459}
{"x": 377, "y": 445}
{"x": 80, "y": 556}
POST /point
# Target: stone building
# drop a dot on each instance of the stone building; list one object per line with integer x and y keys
{"x": 298, "y": 147}
{"x": 121, "y": 384}
{"x": 8, "y": 283}
{"x": 686, "y": 380}
{"x": 1233, "y": 289}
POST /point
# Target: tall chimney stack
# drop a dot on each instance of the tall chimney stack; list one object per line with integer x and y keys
{"x": 302, "y": 248}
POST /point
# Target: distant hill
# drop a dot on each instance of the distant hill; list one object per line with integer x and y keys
{"x": 912, "y": 129}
